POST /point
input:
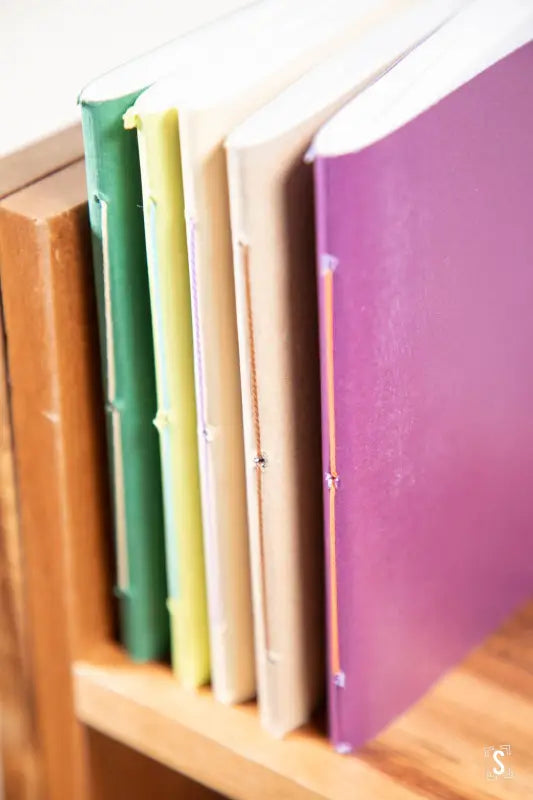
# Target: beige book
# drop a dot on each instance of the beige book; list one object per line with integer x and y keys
{"x": 274, "y": 262}
{"x": 211, "y": 97}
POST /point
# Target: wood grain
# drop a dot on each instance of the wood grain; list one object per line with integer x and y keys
{"x": 435, "y": 750}
{"x": 18, "y": 736}
{"x": 47, "y": 291}
{"x": 119, "y": 773}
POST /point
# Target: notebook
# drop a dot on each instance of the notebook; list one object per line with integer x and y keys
{"x": 118, "y": 247}
{"x": 206, "y": 101}
{"x": 271, "y": 198}
{"x": 176, "y": 416}
{"x": 423, "y": 208}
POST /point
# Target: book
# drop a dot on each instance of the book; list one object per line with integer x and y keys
{"x": 424, "y": 250}
{"x": 271, "y": 199}
{"x": 176, "y": 415}
{"x": 118, "y": 247}
{"x": 224, "y": 82}
{"x": 59, "y": 447}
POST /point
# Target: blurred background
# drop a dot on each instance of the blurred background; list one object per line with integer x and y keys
{"x": 39, "y": 38}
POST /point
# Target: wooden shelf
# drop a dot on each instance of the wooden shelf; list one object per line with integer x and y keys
{"x": 436, "y": 750}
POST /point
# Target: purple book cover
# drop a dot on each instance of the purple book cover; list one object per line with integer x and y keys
{"x": 425, "y": 257}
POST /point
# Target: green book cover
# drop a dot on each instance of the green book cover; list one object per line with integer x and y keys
{"x": 119, "y": 255}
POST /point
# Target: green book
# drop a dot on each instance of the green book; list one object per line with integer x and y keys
{"x": 119, "y": 256}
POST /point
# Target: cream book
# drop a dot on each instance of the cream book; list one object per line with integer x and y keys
{"x": 271, "y": 202}
{"x": 203, "y": 102}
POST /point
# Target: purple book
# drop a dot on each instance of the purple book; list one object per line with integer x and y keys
{"x": 425, "y": 258}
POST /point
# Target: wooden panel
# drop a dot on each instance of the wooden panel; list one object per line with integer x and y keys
{"x": 119, "y": 773}
{"x": 436, "y": 750}
{"x": 47, "y": 291}
{"x": 18, "y": 738}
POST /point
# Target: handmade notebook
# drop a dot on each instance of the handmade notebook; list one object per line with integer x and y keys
{"x": 222, "y": 84}
{"x": 271, "y": 198}
{"x": 114, "y": 190}
{"x": 59, "y": 442}
{"x": 425, "y": 248}
{"x": 176, "y": 415}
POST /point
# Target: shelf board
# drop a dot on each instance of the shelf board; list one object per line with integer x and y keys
{"x": 434, "y": 750}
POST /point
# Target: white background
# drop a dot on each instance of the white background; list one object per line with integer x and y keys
{"x": 49, "y": 49}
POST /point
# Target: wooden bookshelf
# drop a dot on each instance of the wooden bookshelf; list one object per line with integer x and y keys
{"x": 436, "y": 750}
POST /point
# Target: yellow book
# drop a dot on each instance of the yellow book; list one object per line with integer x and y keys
{"x": 168, "y": 275}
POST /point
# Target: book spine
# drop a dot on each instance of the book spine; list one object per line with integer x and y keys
{"x": 113, "y": 413}
{"x": 253, "y": 440}
{"x": 229, "y": 605}
{"x": 164, "y": 422}
{"x": 213, "y": 555}
{"x": 127, "y": 359}
{"x": 220, "y": 440}
{"x": 327, "y": 264}
{"x": 158, "y": 140}
{"x": 99, "y": 220}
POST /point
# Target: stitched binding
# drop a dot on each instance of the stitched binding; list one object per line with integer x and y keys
{"x": 108, "y": 307}
{"x": 329, "y": 264}
{"x": 119, "y": 499}
{"x": 212, "y": 549}
{"x": 259, "y": 458}
{"x": 163, "y": 417}
{"x": 123, "y": 573}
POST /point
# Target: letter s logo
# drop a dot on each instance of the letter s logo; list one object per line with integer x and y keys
{"x": 501, "y": 769}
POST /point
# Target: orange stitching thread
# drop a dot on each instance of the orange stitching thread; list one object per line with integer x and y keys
{"x": 257, "y": 437}
{"x": 333, "y": 476}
